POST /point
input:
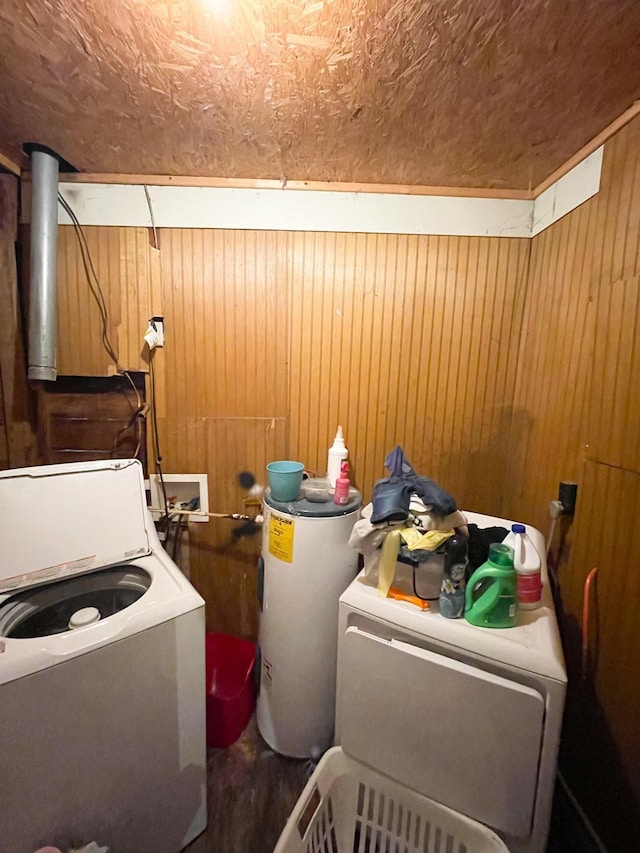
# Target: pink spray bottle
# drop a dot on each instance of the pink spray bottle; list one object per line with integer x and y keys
{"x": 341, "y": 493}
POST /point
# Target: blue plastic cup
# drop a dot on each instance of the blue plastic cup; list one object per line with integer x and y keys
{"x": 285, "y": 479}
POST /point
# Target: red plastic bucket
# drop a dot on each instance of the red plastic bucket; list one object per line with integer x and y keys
{"x": 231, "y": 692}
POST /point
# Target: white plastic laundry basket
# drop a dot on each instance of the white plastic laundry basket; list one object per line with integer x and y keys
{"x": 348, "y": 808}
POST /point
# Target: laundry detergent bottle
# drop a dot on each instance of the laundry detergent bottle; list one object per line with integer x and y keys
{"x": 491, "y": 598}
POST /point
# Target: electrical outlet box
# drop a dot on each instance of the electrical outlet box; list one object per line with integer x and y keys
{"x": 181, "y": 489}
{"x": 567, "y": 495}
{"x": 158, "y": 324}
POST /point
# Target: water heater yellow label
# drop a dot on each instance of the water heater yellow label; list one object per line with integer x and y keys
{"x": 281, "y": 538}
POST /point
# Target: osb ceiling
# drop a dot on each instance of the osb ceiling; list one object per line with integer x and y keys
{"x": 476, "y": 93}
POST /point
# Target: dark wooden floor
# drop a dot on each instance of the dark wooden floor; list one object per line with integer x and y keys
{"x": 251, "y": 792}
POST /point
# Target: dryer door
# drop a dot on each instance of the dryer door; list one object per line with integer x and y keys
{"x": 464, "y": 737}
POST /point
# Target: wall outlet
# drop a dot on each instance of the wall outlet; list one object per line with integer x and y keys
{"x": 181, "y": 489}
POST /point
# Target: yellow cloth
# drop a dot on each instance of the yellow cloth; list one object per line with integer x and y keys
{"x": 388, "y": 560}
{"x": 415, "y": 539}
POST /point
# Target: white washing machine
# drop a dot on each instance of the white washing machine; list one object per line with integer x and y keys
{"x": 468, "y": 716}
{"x": 102, "y": 726}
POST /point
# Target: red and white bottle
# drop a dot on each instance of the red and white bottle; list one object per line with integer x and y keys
{"x": 341, "y": 493}
{"x": 527, "y": 565}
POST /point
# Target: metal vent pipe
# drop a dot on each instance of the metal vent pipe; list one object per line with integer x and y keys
{"x": 42, "y": 291}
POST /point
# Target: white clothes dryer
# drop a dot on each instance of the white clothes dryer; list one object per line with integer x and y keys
{"x": 467, "y": 716}
{"x": 102, "y": 671}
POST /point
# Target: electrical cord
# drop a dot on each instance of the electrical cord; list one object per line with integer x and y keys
{"x": 555, "y": 511}
{"x": 133, "y": 385}
{"x": 177, "y": 541}
{"x": 140, "y": 412}
{"x": 156, "y": 440}
{"x": 96, "y": 290}
{"x": 552, "y": 529}
{"x": 92, "y": 279}
{"x": 98, "y": 294}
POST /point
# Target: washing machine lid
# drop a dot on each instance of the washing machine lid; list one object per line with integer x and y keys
{"x": 61, "y": 520}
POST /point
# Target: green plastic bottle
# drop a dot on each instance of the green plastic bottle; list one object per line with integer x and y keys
{"x": 492, "y": 592}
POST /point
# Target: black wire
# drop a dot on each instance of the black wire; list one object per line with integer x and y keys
{"x": 94, "y": 283}
{"x": 97, "y": 292}
{"x": 134, "y": 420}
{"x": 176, "y": 531}
{"x": 177, "y": 541}
{"x": 98, "y": 295}
{"x": 92, "y": 278}
{"x": 84, "y": 246}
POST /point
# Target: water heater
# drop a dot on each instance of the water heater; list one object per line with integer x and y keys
{"x": 306, "y": 565}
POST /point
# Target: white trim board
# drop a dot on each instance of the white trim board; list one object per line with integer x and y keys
{"x": 315, "y": 210}
{"x": 295, "y": 210}
{"x": 568, "y": 192}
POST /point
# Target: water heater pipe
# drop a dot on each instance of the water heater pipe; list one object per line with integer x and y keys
{"x": 44, "y": 237}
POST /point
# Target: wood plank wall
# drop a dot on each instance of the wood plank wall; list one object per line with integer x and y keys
{"x": 548, "y": 440}
{"x": 578, "y": 390}
{"x": 407, "y": 340}
{"x": 273, "y": 339}
{"x": 128, "y": 274}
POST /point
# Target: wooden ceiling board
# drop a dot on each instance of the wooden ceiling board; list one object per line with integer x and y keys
{"x": 494, "y": 93}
